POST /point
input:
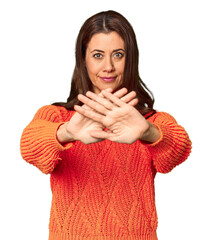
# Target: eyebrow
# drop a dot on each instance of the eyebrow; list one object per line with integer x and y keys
{"x": 116, "y": 50}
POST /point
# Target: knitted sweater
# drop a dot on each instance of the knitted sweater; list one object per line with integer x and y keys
{"x": 102, "y": 190}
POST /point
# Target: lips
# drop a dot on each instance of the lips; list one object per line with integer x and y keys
{"x": 108, "y": 79}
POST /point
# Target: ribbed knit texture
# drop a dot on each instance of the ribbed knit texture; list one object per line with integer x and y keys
{"x": 102, "y": 190}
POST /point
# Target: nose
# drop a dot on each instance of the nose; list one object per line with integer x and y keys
{"x": 109, "y": 65}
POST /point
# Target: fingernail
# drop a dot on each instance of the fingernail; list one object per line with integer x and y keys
{"x": 108, "y": 89}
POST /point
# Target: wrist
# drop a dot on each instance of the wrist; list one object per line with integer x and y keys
{"x": 63, "y": 135}
{"x": 152, "y": 134}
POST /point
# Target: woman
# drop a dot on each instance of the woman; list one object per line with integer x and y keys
{"x": 100, "y": 149}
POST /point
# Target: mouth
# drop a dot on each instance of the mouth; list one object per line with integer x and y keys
{"x": 108, "y": 79}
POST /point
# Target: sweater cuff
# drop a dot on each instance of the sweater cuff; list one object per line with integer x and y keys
{"x": 171, "y": 149}
{"x": 40, "y": 147}
{"x": 164, "y": 145}
{"x": 49, "y": 138}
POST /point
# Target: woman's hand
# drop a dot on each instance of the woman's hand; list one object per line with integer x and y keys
{"x": 81, "y": 127}
{"x": 125, "y": 124}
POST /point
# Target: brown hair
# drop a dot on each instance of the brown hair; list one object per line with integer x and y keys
{"x": 106, "y": 22}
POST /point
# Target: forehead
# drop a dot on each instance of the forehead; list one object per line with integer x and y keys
{"x": 106, "y": 41}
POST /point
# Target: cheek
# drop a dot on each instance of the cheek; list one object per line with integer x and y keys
{"x": 120, "y": 68}
{"x": 92, "y": 68}
{"x": 120, "y": 65}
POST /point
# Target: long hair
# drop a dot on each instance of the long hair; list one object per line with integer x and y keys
{"x": 106, "y": 22}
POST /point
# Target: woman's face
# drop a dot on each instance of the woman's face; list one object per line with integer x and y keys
{"x": 105, "y": 61}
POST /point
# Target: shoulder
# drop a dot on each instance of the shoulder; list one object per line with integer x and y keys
{"x": 53, "y": 113}
{"x": 162, "y": 117}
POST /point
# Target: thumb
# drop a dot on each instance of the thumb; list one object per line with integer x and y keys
{"x": 100, "y": 134}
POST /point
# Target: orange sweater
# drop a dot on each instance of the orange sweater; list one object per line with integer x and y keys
{"x": 102, "y": 190}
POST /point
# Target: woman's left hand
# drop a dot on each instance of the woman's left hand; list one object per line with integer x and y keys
{"x": 124, "y": 123}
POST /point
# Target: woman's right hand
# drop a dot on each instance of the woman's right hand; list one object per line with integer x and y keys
{"x": 79, "y": 126}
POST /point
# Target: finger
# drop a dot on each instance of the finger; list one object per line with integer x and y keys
{"x": 89, "y": 114}
{"x": 129, "y": 97}
{"x": 120, "y": 93}
{"x": 101, "y": 100}
{"x": 100, "y": 134}
{"x": 113, "y": 98}
{"x": 86, "y": 107}
{"x": 108, "y": 89}
{"x": 100, "y": 94}
{"x": 134, "y": 102}
{"x": 93, "y": 104}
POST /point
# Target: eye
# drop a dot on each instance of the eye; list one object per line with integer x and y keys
{"x": 98, "y": 55}
{"x": 118, "y": 55}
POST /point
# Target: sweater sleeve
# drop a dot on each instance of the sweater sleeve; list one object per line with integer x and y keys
{"x": 39, "y": 145}
{"x": 173, "y": 147}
